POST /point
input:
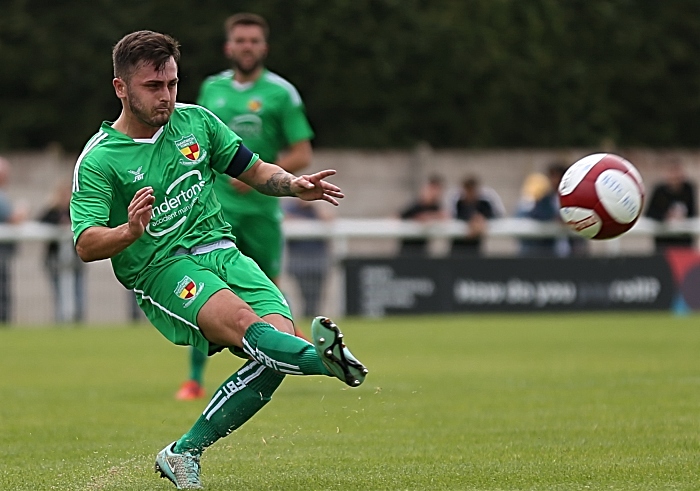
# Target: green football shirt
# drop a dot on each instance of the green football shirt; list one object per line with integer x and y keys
{"x": 268, "y": 114}
{"x": 178, "y": 163}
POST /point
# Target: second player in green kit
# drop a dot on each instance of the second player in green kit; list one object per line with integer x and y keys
{"x": 267, "y": 112}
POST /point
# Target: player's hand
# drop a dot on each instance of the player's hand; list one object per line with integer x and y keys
{"x": 312, "y": 187}
{"x": 140, "y": 211}
{"x": 240, "y": 186}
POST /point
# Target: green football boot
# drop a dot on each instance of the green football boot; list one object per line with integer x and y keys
{"x": 328, "y": 341}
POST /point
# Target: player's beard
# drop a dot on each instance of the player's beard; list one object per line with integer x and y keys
{"x": 150, "y": 117}
{"x": 249, "y": 68}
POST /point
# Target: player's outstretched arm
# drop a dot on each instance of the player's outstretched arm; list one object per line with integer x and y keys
{"x": 273, "y": 180}
{"x": 97, "y": 243}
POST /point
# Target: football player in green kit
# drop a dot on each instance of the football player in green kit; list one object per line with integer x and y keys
{"x": 143, "y": 197}
{"x": 267, "y": 112}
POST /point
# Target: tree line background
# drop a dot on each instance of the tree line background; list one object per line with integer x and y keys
{"x": 383, "y": 73}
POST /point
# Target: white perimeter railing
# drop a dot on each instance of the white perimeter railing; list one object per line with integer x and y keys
{"x": 341, "y": 231}
{"x": 363, "y": 228}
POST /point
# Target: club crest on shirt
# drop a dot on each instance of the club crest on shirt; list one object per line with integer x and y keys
{"x": 255, "y": 105}
{"x": 188, "y": 290}
{"x": 190, "y": 149}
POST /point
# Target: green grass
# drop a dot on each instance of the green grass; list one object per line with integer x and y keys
{"x": 549, "y": 402}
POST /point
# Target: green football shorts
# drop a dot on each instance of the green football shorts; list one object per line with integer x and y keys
{"x": 260, "y": 237}
{"x": 171, "y": 293}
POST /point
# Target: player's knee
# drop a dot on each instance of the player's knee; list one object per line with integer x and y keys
{"x": 243, "y": 318}
{"x": 280, "y": 323}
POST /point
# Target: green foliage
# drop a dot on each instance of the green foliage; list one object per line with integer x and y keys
{"x": 384, "y": 73}
{"x": 471, "y": 402}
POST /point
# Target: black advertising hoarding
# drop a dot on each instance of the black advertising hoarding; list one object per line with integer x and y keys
{"x": 376, "y": 287}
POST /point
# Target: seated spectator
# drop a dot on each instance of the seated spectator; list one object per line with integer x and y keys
{"x": 474, "y": 207}
{"x": 427, "y": 207}
{"x": 672, "y": 200}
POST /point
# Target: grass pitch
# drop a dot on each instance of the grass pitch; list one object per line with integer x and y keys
{"x": 488, "y": 402}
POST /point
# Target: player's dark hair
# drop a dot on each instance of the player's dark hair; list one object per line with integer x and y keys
{"x": 246, "y": 19}
{"x": 143, "y": 47}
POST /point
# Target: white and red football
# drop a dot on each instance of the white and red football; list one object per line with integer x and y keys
{"x": 601, "y": 196}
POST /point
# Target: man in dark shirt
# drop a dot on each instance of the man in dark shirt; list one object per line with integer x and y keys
{"x": 58, "y": 213}
{"x": 426, "y": 208}
{"x": 671, "y": 200}
{"x": 474, "y": 209}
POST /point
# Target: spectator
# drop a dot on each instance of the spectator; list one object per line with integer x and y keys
{"x": 534, "y": 188}
{"x": 307, "y": 258}
{"x": 427, "y": 207}
{"x": 545, "y": 208}
{"x": 58, "y": 213}
{"x": 9, "y": 214}
{"x": 672, "y": 200}
{"x": 475, "y": 208}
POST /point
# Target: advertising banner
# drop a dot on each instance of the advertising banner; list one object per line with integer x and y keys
{"x": 377, "y": 287}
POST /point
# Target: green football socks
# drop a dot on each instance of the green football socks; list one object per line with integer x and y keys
{"x": 282, "y": 352}
{"x": 234, "y": 403}
{"x": 274, "y": 354}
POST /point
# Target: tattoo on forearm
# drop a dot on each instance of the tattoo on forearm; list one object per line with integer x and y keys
{"x": 279, "y": 184}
